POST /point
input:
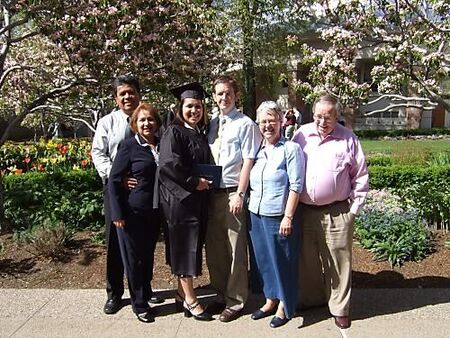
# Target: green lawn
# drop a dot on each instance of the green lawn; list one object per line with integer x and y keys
{"x": 371, "y": 147}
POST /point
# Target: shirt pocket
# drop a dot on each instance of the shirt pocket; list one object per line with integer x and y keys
{"x": 337, "y": 162}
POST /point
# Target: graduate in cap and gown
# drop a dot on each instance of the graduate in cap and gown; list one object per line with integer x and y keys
{"x": 184, "y": 195}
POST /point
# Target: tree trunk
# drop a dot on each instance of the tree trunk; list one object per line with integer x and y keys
{"x": 2, "y": 205}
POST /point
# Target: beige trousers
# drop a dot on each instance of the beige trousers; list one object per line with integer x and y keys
{"x": 325, "y": 263}
{"x": 226, "y": 251}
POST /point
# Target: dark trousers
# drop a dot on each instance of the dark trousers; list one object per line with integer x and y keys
{"x": 114, "y": 265}
{"x": 137, "y": 242}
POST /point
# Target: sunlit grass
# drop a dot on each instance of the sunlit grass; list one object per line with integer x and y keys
{"x": 407, "y": 152}
{"x": 401, "y": 146}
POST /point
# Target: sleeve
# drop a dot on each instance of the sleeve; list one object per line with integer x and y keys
{"x": 120, "y": 168}
{"x": 175, "y": 169}
{"x": 295, "y": 166}
{"x": 100, "y": 152}
{"x": 359, "y": 177}
{"x": 251, "y": 140}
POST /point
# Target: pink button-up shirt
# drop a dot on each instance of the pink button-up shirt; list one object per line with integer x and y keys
{"x": 336, "y": 169}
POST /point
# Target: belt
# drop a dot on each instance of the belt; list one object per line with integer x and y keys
{"x": 312, "y": 206}
{"x": 226, "y": 190}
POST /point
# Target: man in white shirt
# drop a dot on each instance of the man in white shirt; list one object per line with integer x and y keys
{"x": 111, "y": 130}
{"x": 234, "y": 139}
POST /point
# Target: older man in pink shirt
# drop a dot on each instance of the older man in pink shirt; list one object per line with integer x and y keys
{"x": 336, "y": 185}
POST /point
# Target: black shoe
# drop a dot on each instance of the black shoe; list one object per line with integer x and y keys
{"x": 156, "y": 300}
{"x": 145, "y": 317}
{"x": 216, "y": 307}
{"x": 277, "y": 322}
{"x": 112, "y": 306}
{"x": 204, "y": 316}
{"x": 259, "y": 314}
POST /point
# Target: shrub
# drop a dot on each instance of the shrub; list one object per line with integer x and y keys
{"x": 74, "y": 198}
{"x": 440, "y": 159}
{"x": 390, "y": 231}
{"x": 379, "y": 160}
{"x": 425, "y": 188}
{"x": 47, "y": 239}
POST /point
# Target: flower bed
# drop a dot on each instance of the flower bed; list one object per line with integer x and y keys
{"x": 45, "y": 156}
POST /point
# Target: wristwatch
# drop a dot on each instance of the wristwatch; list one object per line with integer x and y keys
{"x": 241, "y": 194}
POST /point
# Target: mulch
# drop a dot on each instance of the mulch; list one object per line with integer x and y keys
{"x": 82, "y": 265}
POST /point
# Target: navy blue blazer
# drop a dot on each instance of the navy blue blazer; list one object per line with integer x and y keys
{"x": 134, "y": 160}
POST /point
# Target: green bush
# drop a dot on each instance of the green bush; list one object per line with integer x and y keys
{"x": 379, "y": 160}
{"x": 390, "y": 231}
{"x": 425, "y": 188}
{"x": 375, "y": 134}
{"x": 402, "y": 176}
{"x": 440, "y": 159}
{"x": 47, "y": 239}
{"x": 74, "y": 198}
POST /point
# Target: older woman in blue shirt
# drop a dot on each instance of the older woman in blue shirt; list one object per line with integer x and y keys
{"x": 276, "y": 181}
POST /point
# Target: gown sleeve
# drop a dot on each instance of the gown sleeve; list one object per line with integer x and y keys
{"x": 175, "y": 163}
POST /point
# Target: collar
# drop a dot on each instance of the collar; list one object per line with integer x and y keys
{"x": 141, "y": 141}
{"x": 123, "y": 114}
{"x": 186, "y": 125}
{"x": 280, "y": 142}
{"x": 231, "y": 115}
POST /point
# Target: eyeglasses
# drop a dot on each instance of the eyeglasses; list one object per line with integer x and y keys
{"x": 326, "y": 118}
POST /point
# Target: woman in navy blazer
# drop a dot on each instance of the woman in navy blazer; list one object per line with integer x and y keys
{"x": 136, "y": 221}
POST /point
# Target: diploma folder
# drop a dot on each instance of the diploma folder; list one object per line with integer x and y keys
{"x": 210, "y": 172}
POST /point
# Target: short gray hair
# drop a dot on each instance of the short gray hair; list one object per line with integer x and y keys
{"x": 269, "y": 106}
{"x": 333, "y": 100}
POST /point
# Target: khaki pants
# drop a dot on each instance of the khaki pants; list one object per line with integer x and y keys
{"x": 226, "y": 251}
{"x": 325, "y": 263}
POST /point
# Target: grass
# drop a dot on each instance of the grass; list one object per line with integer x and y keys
{"x": 392, "y": 147}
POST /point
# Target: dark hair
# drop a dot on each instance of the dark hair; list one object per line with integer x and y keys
{"x": 125, "y": 79}
{"x": 144, "y": 106}
{"x": 290, "y": 117}
{"x": 178, "y": 119}
{"x": 329, "y": 99}
{"x": 227, "y": 80}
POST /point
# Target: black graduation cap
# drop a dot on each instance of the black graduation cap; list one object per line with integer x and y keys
{"x": 192, "y": 90}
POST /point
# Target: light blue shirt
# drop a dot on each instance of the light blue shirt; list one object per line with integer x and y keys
{"x": 240, "y": 140}
{"x": 275, "y": 172}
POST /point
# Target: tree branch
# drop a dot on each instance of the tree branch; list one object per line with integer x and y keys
{"x": 49, "y": 106}
{"x": 39, "y": 102}
{"x": 425, "y": 19}
{"x": 23, "y": 37}
{"x": 10, "y": 70}
{"x": 14, "y": 24}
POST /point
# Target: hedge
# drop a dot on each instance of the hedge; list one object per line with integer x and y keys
{"x": 424, "y": 188}
{"x": 73, "y": 197}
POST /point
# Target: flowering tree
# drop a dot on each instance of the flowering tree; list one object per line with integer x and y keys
{"x": 163, "y": 42}
{"x": 408, "y": 40}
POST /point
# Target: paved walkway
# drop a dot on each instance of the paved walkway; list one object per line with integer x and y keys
{"x": 385, "y": 313}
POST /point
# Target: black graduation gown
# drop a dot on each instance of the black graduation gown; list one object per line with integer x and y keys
{"x": 184, "y": 207}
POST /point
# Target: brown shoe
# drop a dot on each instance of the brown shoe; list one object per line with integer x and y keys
{"x": 229, "y": 315}
{"x": 342, "y": 322}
